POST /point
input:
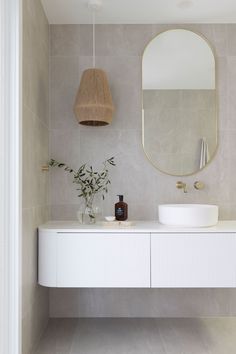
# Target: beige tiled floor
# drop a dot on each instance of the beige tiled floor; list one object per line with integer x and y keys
{"x": 139, "y": 336}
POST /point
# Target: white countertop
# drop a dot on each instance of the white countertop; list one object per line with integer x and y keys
{"x": 138, "y": 226}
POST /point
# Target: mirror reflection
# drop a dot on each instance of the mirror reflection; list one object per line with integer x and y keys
{"x": 179, "y": 102}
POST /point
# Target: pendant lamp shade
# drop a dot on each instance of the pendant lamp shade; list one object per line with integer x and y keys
{"x": 93, "y": 104}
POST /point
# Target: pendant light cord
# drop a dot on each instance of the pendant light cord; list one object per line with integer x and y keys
{"x": 94, "y": 44}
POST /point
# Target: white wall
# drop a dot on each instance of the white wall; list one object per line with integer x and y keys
{"x": 10, "y": 176}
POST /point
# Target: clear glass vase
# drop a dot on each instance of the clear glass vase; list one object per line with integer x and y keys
{"x": 89, "y": 211}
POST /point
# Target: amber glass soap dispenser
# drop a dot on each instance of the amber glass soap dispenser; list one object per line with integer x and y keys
{"x": 121, "y": 209}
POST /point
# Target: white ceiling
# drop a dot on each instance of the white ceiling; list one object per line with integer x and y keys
{"x": 142, "y": 11}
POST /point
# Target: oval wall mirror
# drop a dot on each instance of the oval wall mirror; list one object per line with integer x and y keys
{"x": 179, "y": 102}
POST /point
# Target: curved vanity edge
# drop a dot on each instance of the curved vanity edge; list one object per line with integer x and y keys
{"x": 138, "y": 227}
{"x": 47, "y": 258}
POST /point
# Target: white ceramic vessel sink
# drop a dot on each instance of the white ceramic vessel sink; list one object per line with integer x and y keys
{"x": 188, "y": 215}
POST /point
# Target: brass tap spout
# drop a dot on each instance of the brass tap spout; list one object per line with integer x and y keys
{"x": 182, "y": 185}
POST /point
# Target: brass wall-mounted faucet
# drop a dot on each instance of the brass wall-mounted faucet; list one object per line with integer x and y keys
{"x": 45, "y": 168}
{"x": 182, "y": 185}
{"x": 199, "y": 185}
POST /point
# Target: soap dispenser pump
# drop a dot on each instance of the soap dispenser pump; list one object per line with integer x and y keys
{"x": 121, "y": 209}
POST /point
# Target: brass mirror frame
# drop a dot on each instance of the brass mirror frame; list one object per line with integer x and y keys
{"x": 216, "y": 102}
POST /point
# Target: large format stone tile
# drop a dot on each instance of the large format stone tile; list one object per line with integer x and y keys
{"x": 35, "y": 151}
{"x": 64, "y": 83}
{"x": 35, "y": 155}
{"x": 119, "y": 49}
{"x": 36, "y": 75}
{"x": 142, "y": 302}
{"x": 122, "y": 336}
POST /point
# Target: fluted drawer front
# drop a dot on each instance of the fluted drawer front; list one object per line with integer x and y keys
{"x": 103, "y": 260}
{"x": 193, "y": 260}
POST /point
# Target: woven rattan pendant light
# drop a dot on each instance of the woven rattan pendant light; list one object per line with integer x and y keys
{"x": 93, "y": 105}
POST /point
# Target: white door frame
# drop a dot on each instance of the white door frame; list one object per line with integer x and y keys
{"x": 10, "y": 176}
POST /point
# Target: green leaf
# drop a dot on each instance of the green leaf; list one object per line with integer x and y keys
{"x": 89, "y": 182}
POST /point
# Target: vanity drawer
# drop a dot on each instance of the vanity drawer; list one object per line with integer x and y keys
{"x": 193, "y": 260}
{"x": 103, "y": 260}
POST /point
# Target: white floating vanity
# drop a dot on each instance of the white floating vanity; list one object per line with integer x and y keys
{"x": 146, "y": 255}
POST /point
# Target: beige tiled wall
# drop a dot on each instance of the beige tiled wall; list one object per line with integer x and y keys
{"x": 119, "y": 53}
{"x": 35, "y": 154}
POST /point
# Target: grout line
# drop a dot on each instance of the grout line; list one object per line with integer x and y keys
{"x": 150, "y": 245}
